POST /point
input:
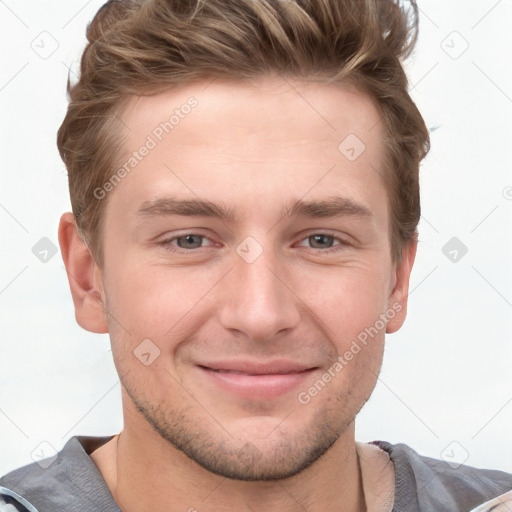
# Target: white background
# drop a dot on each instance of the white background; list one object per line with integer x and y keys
{"x": 446, "y": 384}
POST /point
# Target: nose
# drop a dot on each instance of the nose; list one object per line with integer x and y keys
{"x": 258, "y": 298}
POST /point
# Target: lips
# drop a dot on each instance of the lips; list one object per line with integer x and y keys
{"x": 257, "y": 368}
{"x": 256, "y": 380}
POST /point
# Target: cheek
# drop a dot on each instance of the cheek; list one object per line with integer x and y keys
{"x": 150, "y": 300}
{"x": 345, "y": 300}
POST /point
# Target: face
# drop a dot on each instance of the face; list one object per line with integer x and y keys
{"x": 247, "y": 270}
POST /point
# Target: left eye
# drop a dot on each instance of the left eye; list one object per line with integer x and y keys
{"x": 188, "y": 241}
{"x": 321, "y": 241}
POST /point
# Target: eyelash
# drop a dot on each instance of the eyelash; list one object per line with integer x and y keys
{"x": 167, "y": 244}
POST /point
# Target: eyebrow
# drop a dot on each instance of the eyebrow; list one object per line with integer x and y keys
{"x": 187, "y": 207}
{"x": 329, "y": 207}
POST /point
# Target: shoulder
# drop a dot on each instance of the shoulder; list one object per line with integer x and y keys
{"x": 53, "y": 483}
{"x": 424, "y": 483}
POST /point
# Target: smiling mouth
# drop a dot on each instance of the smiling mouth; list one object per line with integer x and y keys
{"x": 255, "y": 374}
{"x": 250, "y": 381}
{"x": 276, "y": 366}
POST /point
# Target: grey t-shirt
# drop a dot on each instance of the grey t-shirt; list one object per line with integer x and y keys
{"x": 72, "y": 483}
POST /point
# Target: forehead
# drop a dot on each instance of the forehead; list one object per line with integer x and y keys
{"x": 312, "y": 111}
{"x": 248, "y": 141}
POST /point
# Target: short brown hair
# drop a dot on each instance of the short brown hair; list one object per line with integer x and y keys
{"x": 139, "y": 47}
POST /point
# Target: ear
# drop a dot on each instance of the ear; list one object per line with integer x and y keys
{"x": 84, "y": 277}
{"x": 397, "y": 301}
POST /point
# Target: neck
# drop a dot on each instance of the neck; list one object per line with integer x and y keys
{"x": 145, "y": 472}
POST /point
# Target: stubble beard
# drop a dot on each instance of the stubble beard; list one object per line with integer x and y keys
{"x": 205, "y": 441}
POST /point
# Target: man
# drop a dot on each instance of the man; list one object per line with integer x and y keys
{"x": 244, "y": 182}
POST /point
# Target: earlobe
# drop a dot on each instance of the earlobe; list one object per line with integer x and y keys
{"x": 397, "y": 302}
{"x": 84, "y": 277}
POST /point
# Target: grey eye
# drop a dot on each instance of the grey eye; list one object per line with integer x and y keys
{"x": 189, "y": 243}
{"x": 323, "y": 241}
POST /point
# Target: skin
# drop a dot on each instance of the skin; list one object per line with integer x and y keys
{"x": 254, "y": 148}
